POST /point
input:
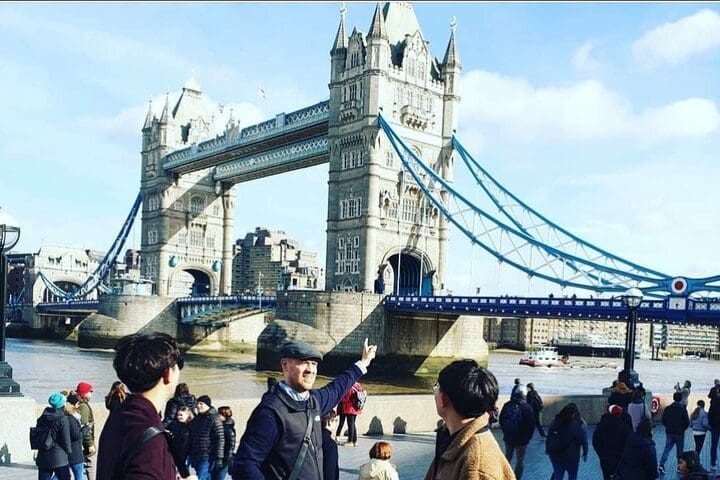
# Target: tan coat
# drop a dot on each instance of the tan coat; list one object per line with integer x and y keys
{"x": 472, "y": 456}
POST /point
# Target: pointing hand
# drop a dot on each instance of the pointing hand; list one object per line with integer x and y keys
{"x": 368, "y": 353}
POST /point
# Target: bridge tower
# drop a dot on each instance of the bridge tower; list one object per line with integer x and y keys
{"x": 383, "y": 236}
{"x": 186, "y": 220}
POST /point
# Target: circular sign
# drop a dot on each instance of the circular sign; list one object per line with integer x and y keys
{"x": 173, "y": 261}
{"x": 679, "y": 285}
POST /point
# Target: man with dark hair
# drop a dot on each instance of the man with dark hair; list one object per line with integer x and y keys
{"x": 132, "y": 446}
{"x": 535, "y": 401}
{"x": 676, "y": 420}
{"x": 283, "y": 437}
{"x": 517, "y": 422}
{"x": 465, "y": 448}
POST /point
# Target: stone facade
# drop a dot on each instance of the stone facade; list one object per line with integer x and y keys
{"x": 380, "y": 226}
{"x": 186, "y": 220}
{"x": 272, "y": 261}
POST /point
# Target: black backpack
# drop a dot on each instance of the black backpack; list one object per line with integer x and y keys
{"x": 41, "y": 437}
{"x": 558, "y": 441}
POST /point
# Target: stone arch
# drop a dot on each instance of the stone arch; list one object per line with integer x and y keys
{"x": 192, "y": 280}
{"x": 412, "y": 267}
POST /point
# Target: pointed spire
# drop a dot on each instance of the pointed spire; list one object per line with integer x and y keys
{"x": 340, "y": 38}
{"x": 149, "y": 116}
{"x": 165, "y": 113}
{"x": 377, "y": 27}
{"x": 192, "y": 83}
{"x": 452, "y": 58}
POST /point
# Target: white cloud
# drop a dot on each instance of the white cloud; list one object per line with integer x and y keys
{"x": 583, "y": 61}
{"x": 673, "y": 42}
{"x": 586, "y": 110}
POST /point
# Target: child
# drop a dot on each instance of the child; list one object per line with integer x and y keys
{"x": 379, "y": 466}
{"x": 179, "y": 430}
{"x": 225, "y": 413}
{"x": 331, "y": 469}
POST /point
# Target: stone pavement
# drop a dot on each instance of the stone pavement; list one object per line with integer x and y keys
{"x": 412, "y": 453}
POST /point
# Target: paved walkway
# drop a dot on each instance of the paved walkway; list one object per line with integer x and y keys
{"x": 413, "y": 453}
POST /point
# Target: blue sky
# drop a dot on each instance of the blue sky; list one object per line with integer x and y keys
{"x": 604, "y": 117}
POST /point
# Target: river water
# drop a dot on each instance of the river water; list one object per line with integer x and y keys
{"x": 43, "y": 366}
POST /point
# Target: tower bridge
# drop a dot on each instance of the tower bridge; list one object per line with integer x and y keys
{"x": 387, "y": 133}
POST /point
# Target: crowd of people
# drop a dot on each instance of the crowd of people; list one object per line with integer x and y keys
{"x": 157, "y": 429}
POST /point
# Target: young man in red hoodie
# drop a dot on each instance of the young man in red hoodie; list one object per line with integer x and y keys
{"x": 132, "y": 445}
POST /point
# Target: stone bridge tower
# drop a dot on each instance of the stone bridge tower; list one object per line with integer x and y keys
{"x": 383, "y": 236}
{"x": 186, "y": 243}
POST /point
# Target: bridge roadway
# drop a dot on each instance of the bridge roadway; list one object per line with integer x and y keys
{"x": 287, "y": 142}
{"x": 675, "y": 310}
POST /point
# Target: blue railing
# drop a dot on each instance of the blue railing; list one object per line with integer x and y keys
{"x": 68, "y": 305}
{"x": 191, "y": 306}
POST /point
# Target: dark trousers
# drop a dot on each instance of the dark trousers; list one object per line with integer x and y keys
{"x": 676, "y": 440}
{"x": 62, "y": 473}
{"x": 714, "y": 437}
{"x": 608, "y": 467}
{"x": 562, "y": 465}
{"x": 536, "y": 414}
{"x": 341, "y": 424}
{"x": 511, "y": 448}
{"x": 699, "y": 442}
{"x": 352, "y": 430}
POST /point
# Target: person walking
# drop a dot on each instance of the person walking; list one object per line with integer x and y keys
{"x": 179, "y": 431}
{"x": 132, "y": 446}
{"x": 207, "y": 440}
{"x": 714, "y": 420}
{"x": 676, "y": 421}
{"x": 535, "y": 401}
{"x": 567, "y": 435}
{"x": 53, "y": 457}
{"x": 517, "y": 423}
{"x": 637, "y": 408}
{"x": 610, "y": 437}
{"x": 379, "y": 466}
{"x": 639, "y": 458}
{"x": 182, "y": 397}
{"x": 87, "y": 421}
{"x": 282, "y": 434}
{"x": 228, "y": 424}
{"x": 684, "y": 390}
{"x": 331, "y": 468}
{"x": 351, "y": 409}
{"x": 115, "y": 396}
{"x": 516, "y": 385}
{"x": 465, "y": 449}
{"x": 690, "y": 468}
{"x": 76, "y": 458}
{"x": 699, "y": 424}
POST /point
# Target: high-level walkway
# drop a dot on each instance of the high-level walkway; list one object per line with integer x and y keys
{"x": 413, "y": 453}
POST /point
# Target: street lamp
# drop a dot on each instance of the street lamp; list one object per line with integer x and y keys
{"x": 9, "y": 236}
{"x": 632, "y": 299}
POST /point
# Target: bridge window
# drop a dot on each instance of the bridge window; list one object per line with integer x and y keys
{"x": 389, "y": 159}
{"x": 153, "y": 237}
{"x": 178, "y": 206}
{"x": 210, "y": 242}
{"x": 196, "y": 238}
{"x": 216, "y": 209}
{"x": 153, "y": 203}
{"x": 182, "y": 238}
{"x": 197, "y": 205}
{"x": 350, "y": 207}
{"x": 409, "y": 210}
{"x": 347, "y": 259}
{"x": 393, "y": 210}
{"x": 353, "y": 92}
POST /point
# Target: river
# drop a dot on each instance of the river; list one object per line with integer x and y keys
{"x": 43, "y": 366}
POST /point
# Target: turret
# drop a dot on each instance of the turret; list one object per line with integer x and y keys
{"x": 164, "y": 121}
{"x": 378, "y": 46}
{"x": 451, "y": 67}
{"x": 147, "y": 126}
{"x": 338, "y": 53}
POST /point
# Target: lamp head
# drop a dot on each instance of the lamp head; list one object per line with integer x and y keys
{"x": 633, "y": 297}
{"x": 9, "y": 232}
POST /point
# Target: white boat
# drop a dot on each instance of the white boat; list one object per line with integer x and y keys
{"x": 544, "y": 356}
{"x": 687, "y": 357}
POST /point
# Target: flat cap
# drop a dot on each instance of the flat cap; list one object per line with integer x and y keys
{"x": 300, "y": 350}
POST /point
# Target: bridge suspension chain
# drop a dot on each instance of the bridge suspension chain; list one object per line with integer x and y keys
{"x": 513, "y": 245}
{"x": 96, "y": 279}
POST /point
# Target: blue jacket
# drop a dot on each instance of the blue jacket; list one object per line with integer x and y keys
{"x": 256, "y": 453}
{"x": 517, "y": 421}
{"x": 576, "y": 433}
{"x": 675, "y": 418}
{"x": 639, "y": 459}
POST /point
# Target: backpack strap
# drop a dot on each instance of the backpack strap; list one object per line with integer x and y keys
{"x": 305, "y": 445}
{"x": 134, "y": 449}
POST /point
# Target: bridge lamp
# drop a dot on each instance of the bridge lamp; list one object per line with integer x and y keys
{"x": 632, "y": 299}
{"x": 9, "y": 237}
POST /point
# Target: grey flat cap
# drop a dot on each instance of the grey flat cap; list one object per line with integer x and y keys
{"x": 300, "y": 350}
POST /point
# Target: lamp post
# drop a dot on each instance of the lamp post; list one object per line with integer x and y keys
{"x": 632, "y": 300}
{"x": 9, "y": 236}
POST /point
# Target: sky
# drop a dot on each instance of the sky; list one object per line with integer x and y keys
{"x": 602, "y": 116}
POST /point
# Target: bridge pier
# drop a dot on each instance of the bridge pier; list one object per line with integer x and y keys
{"x": 338, "y": 322}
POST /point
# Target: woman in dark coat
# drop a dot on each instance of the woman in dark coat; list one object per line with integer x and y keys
{"x": 610, "y": 437}
{"x": 220, "y": 472}
{"x": 639, "y": 459}
{"x": 182, "y": 397}
{"x": 55, "y": 460}
{"x": 76, "y": 458}
{"x": 567, "y": 435}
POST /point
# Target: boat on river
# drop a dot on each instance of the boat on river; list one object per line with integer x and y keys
{"x": 544, "y": 356}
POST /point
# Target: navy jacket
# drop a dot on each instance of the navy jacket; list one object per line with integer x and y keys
{"x": 58, "y": 454}
{"x": 331, "y": 468}
{"x": 639, "y": 459}
{"x": 675, "y": 418}
{"x": 517, "y": 421}
{"x": 611, "y": 435}
{"x": 577, "y": 433}
{"x": 264, "y": 430}
{"x": 76, "y": 439}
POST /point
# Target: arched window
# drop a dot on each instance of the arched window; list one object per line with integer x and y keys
{"x": 197, "y": 204}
